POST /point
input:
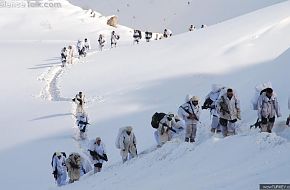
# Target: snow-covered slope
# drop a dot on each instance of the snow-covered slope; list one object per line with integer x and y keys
{"x": 126, "y": 86}
{"x": 239, "y": 53}
{"x": 63, "y": 24}
{"x": 178, "y": 15}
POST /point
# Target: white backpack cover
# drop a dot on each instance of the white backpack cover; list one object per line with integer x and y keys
{"x": 258, "y": 90}
{"x": 117, "y": 142}
{"x": 217, "y": 91}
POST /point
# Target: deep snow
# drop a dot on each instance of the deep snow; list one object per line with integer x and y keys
{"x": 127, "y": 85}
{"x": 178, "y": 15}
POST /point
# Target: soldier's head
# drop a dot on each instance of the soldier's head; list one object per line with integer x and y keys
{"x": 58, "y": 154}
{"x": 80, "y": 93}
{"x": 86, "y": 39}
{"x": 98, "y": 140}
{"x": 129, "y": 130}
{"x": 230, "y": 93}
{"x": 170, "y": 116}
{"x": 194, "y": 100}
{"x": 269, "y": 92}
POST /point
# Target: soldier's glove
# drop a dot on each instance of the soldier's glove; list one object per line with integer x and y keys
{"x": 54, "y": 174}
{"x": 288, "y": 121}
{"x": 105, "y": 157}
{"x": 234, "y": 121}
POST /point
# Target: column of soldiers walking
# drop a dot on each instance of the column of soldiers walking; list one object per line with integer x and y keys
{"x": 83, "y": 46}
{"x": 222, "y": 102}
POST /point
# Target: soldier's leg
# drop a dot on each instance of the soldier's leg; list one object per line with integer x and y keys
{"x": 193, "y": 135}
{"x": 188, "y": 132}
{"x": 215, "y": 124}
{"x": 264, "y": 125}
{"x": 224, "y": 126}
{"x": 124, "y": 155}
{"x": 231, "y": 128}
{"x": 157, "y": 138}
{"x": 271, "y": 124}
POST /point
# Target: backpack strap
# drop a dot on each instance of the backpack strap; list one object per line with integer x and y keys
{"x": 185, "y": 110}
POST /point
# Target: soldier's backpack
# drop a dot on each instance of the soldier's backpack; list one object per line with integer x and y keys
{"x": 117, "y": 142}
{"x": 156, "y": 118}
{"x": 259, "y": 89}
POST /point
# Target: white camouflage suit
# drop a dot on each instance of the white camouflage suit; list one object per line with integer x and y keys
{"x": 163, "y": 132}
{"x": 100, "y": 149}
{"x": 214, "y": 96}
{"x": 81, "y": 120}
{"x": 80, "y": 101}
{"x": 114, "y": 39}
{"x": 184, "y": 112}
{"x": 59, "y": 165}
{"x": 128, "y": 144}
{"x": 229, "y": 112}
{"x": 268, "y": 108}
{"x": 87, "y": 45}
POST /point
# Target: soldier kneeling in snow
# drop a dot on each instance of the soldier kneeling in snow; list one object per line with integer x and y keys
{"x": 166, "y": 127}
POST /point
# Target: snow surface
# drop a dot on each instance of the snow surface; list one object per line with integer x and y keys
{"x": 126, "y": 85}
{"x": 178, "y": 15}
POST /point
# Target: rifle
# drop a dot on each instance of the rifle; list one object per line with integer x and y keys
{"x": 170, "y": 128}
{"x": 97, "y": 156}
{"x": 54, "y": 173}
{"x": 224, "y": 106}
{"x": 84, "y": 123}
{"x": 257, "y": 124}
{"x": 191, "y": 115}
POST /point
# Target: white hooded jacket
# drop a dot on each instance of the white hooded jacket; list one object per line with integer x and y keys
{"x": 186, "y": 109}
{"x": 80, "y": 45}
{"x": 126, "y": 141}
{"x": 87, "y": 45}
{"x": 268, "y": 107}
{"x": 100, "y": 149}
{"x": 59, "y": 164}
{"x": 232, "y": 105}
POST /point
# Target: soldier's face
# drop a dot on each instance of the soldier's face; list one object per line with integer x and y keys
{"x": 98, "y": 142}
{"x": 230, "y": 94}
{"x": 269, "y": 95}
{"x": 194, "y": 103}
